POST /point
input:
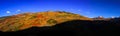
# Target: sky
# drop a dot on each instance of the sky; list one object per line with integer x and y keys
{"x": 88, "y": 8}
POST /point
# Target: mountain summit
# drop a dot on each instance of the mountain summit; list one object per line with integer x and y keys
{"x": 39, "y": 19}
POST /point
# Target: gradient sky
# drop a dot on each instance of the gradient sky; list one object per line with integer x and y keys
{"x": 88, "y": 8}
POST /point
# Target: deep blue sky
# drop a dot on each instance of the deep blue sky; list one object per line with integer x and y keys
{"x": 89, "y": 8}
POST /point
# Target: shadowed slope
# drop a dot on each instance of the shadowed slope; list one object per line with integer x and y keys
{"x": 75, "y": 28}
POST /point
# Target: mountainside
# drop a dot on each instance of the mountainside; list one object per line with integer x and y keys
{"x": 72, "y": 28}
{"x": 39, "y": 19}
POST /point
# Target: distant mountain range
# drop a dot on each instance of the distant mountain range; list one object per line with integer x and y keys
{"x": 107, "y": 19}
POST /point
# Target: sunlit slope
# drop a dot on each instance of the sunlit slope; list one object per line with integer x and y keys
{"x": 39, "y": 19}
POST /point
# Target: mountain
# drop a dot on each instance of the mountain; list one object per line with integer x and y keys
{"x": 57, "y": 24}
{"x": 39, "y": 19}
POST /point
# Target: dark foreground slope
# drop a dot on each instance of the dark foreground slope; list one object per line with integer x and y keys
{"x": 72, "y": 28}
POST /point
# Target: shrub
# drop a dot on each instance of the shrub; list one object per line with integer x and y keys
{"x": 51, "y": 21}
